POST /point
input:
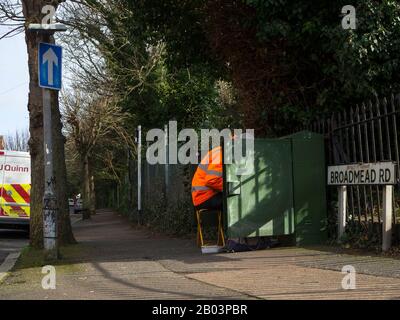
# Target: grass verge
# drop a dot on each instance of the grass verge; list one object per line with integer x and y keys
{"x": 35, "y": 258}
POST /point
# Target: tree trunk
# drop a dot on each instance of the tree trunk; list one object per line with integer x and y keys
{"x": 86, "y": 187}
{"x": 32, "y": 13}
{"x": 92, "y": 195}
{"x": 65, "y": 235}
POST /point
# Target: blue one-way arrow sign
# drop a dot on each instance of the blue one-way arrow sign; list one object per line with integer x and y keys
{"x": 50, "y": 66}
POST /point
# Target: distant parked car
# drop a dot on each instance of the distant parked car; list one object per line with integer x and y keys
{"x": 78, "y": 205}
{"x": 71, "y": 205}
{"x": 75, "y": 205}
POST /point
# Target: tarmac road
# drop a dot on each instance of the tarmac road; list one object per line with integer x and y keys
{"x": 12, "y": 241}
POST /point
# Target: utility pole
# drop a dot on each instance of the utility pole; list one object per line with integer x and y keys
{"x": 50, "y": 74}
{"x": 50, "y": 207}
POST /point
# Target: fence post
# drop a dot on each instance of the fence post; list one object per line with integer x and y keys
{"x": 139, "y": 172}
{"x": 387, "y": 217}
{"x": 117, "y": 196}
{"x": 147, "y": 180}
{"x": 342, "y": 211}
{"x": 166, "y": 168}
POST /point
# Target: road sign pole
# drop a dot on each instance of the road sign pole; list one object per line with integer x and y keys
{"x": 50, "y": 77}
{"x": 50, "y": 210}
{"x": 342, "y": 212}
{"x": 387, "y": 217}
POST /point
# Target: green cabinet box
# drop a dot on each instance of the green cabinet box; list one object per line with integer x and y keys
{"x": 285, "y": 193}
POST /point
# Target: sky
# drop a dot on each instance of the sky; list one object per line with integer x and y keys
{"x": 14, "y": 84}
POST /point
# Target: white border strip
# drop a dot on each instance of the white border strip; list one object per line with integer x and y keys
{"x": 8, "y": 264}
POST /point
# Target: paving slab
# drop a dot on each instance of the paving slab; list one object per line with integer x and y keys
{"x": 117, "y": 261}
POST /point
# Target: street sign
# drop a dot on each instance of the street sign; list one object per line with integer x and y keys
{"x": 378, "y": 173}
{"x": 362, "y": 174}
{"x": 50, "y": 66}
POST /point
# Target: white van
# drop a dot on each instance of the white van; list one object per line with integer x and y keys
{"x": 15, "y": 186}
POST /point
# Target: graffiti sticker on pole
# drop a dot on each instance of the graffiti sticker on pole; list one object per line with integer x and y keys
{"x": 50, "y": 66}
{"x": 362, "y": 174}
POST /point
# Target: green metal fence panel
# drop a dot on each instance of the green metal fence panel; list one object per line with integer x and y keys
{"x": 261, "y": 204}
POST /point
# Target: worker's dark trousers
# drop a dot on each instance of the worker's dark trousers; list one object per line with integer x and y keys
{"x": 214, "y": 203}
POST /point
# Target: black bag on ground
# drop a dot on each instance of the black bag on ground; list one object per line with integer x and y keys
{"x": 239, "y": 246}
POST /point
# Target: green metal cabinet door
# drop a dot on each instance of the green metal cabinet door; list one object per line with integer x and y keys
{"x": 309, "y": 185}
{"x": 261, "y": 204}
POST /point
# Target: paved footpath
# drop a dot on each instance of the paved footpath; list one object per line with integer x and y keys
{"x": 116, "y": 261}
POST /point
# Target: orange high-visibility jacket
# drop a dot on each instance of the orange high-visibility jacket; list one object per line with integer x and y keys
{"x": 208, "y": 180}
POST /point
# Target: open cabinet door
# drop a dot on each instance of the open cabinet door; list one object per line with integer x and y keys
{"x": 261, "y": 203}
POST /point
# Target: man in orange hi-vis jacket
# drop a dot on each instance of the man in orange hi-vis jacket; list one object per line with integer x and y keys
{"x": 208, "y": 181}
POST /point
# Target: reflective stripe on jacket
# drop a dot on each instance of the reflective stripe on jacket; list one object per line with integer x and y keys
{"x": 208, "y": 180}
